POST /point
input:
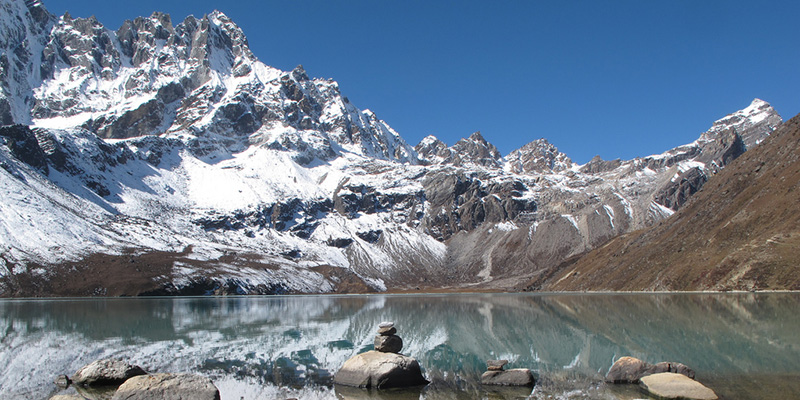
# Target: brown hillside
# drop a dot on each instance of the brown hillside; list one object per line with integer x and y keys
{"x": 740, "y": 232}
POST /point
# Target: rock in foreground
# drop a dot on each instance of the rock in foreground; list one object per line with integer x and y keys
{"x": 669, "y": 385}
{"x": 631, "y": 370}
{"x": 511, "y": 377}
{"x": 167, "y": 387}
{"x": 106, "y": 372}
{"x": 375, "y": 369}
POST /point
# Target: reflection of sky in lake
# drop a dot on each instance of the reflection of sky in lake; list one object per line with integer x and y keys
{"x": 290, "y": 346}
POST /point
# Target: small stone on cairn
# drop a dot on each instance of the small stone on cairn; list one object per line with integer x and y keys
{"x": 496, "y": 365}
{"x": 386, "y": 341}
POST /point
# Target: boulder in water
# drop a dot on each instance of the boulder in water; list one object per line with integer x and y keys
{"x": 106, "y": 372}
{"x": 631, "y": 370}
{"x": 375, "y": 369}
{"x": 511, "y": 377}
{"x": 167, "y": 387}
{"x": 670, "y": 385}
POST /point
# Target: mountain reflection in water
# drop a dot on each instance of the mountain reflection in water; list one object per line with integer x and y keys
{"x": 290, "y": 346}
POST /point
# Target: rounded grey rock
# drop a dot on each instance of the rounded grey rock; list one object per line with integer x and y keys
{"x": 670, "y": 385}
{"x": 167, "y": 387}
{"x": 631, "y": 370}
{"x": 106, "y": 372}
{"x": 374, "y": 369}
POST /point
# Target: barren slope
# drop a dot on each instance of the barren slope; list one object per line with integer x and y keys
{"x": 741, "y": 231}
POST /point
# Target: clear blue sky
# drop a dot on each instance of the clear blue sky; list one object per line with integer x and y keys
{"x": 614, "y": 78}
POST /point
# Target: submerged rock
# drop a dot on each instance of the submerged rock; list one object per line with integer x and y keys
{"x": 106, "y": 372}
{"x": 375, "y": 369}
{"x": 511, "y": 377}
{"x": 631, "y": 370}
{"x": 67, "y": 397}
{"x": 63, "y": 381}
{"x": 167, "y": 387}
{"x": 669, "y": 385}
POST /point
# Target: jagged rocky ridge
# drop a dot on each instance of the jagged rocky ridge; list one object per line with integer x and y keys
{"x": 168, "y": 154}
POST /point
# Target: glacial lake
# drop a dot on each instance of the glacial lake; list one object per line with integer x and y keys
{"x": 742, "y": 345}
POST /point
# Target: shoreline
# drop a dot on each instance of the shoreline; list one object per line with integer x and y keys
{"x": 405, "y": 293}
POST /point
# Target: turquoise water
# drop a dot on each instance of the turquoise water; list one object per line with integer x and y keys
{"x": 744, "y": 345}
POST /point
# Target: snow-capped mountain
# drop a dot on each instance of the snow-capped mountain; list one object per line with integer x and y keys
{"x": 168, "y": 154}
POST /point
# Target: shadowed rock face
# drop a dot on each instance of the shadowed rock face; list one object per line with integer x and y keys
{"x": 22, "y": 143}
{"x": 461, "y": 202}
{"x": 676, "y": 193}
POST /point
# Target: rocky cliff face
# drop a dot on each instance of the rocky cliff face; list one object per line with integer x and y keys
{"x": 472, "y": 151}
{"x": 226, "y": 175}
{"x": 197, "y": 79}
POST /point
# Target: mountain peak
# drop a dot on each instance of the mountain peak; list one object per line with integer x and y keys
{"x": 299, "y": 74}
{"x": 477, "y": 137}
{"x": 538, "y": 156}
{"x": 753, "y": 123}
{"x": 476, "y": 150}
{"x": 432, "y": 150}
{"x": 430, "y": 139}
{"x": 473, "y": 150}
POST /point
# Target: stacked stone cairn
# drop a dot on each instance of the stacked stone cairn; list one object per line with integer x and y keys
{"x": 386, "y": 341}
{"x": 383, "y": 367}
